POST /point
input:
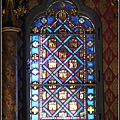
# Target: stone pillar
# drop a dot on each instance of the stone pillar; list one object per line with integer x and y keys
{"x": 9, "y": 73}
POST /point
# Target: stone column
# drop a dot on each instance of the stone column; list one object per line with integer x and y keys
{"x": 9, "y": 73}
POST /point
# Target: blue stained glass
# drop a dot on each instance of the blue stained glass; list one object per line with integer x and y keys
{"x": 34, "y": 117}
{"x": 57, "y": 28}
{"x": 34, "y": 64}
{"x": 34, "y": 50}
{"x": 90, "y": 50}
{"x": 68, "y": 28}
{"x": 34, "y": 78}
{"x": 56, "y": 6}
{"x": 90, "y": 90}
{"x": 34, "y": 38}
{"x": 91, "y": 117}
{"x": 75, "y": 19}
{"x": 34, "y": 103}
{"x": 50, "y": 19}
{"x": 90, "y": 103}
{"x": 49, "y": 30}
{"x": 34, "y": 92}
{"x": 76, "y": 30}
{"x": 90, "y": 63}
{"x": 38, "y": 23}
{"x": 87, "y": 23}
{"x": 90, "y": 77}
{"x": 69, "y": 6}
{"x": 90, "y": 37}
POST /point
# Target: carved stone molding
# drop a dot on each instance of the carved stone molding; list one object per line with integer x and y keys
{"x": 11, "y": 29}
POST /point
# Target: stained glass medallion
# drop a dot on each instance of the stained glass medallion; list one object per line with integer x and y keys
{"x": 62, "y": 65}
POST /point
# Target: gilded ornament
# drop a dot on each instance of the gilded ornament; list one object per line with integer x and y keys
{"x": 43, "y": 114}
{"x": 35, "y": 57}
{"x": 51, "y": 12}
{"x": 35, "y": 85}
{"x": 89, "y": 30}
{"x": 52, "y": 106}
{"x": 35, "y": 110}
{"x": 52, "y": 43}
{"x": 73, "y": 12}
{"x": 81, "y": 114}
{"x": 52, "y": 82}
{"x": 44, "y": 73}
{"x": 62, "y": 31}
{"x": 81, "y": 32}
{"x": 73, "y": 105}
{"x": 35, "y": 30}
{"x": 44, "y": 95}
{"x": 90, "y": 57}
{"x": 62, "y": 14}
{"x": 63, "y": 95}
{"x": 90, "y": 109}
{"x": 73, "y": 64}
{"x": 62, "y": 53}
{"x": 62, "y": 114}
{"x": 43, "y": 53}
{"x": 20, "y": 11}
{"x": 63, "y": 74}
{"x": 73, "y": 43}
{"x": 52, "y": 63}
{"x": 81, "y": 53}
{"x": 81, "y": 73}
{"x": 73, "y": 82}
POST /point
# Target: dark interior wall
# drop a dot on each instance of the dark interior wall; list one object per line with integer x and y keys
{"x": 109, "y": 20}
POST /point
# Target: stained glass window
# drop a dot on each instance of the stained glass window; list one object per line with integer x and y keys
{"x": 62, "y": 62}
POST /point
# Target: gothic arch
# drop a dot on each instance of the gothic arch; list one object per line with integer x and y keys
{"x": 81, "y": 11}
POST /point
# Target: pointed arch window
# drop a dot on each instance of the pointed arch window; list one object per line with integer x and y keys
{"x": 63, "y": 47}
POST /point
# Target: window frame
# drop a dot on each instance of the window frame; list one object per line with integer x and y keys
{"x": 41, "y": 11}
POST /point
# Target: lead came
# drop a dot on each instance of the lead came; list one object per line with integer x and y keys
{"x": 64, "y": 53}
